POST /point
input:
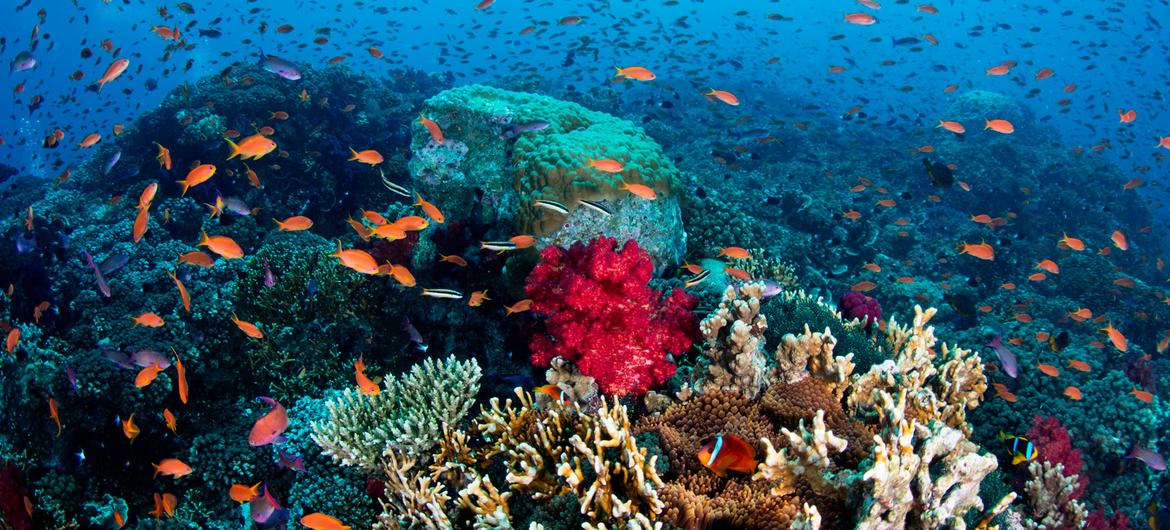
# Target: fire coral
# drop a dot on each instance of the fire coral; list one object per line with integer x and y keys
{"x": 601, "y": 315}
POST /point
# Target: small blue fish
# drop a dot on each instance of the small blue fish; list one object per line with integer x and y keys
{"x": 114, "y": 158}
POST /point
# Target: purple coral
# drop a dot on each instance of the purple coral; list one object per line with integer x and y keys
{"x": 857, "y": 305}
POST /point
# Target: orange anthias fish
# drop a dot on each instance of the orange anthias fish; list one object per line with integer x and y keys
{"x": 1071, "y": 242}
{"x": 225, "y": 246}
{"x": 432, "y": 128}
{"x": 477, "y": 298}
{"x": 196, "y": 258}
{"x": 724, "y": 96}
{"x": 171, "y": 421}
{"x": 358, "y": 260}
{"x": 248, "y": 328}
{"x": 320, "y": 521}
{"x": 197, "y": 176}
{"x": 1116, "y": 337}
{"x": 54, "y": 414}
{"x": 113, "y": 72}
{"x": 365, "y": 385}
{"x": 1081, "y": 315}
{"x": 400, "y": 273}
{"x": 519, "y": 307}
{"x": 241, "y": 493}
{"x": 1073, "y": 393}
{"x": 982, "y": 251}
{"x": 183, "y": 296}
{"x": 861, "y": 19}
{"x": 641, "y": 190}
{"x": 728, "y": 451}
{"x": 999, "y": 126}
{"x": 147, "y": 375}
{"x": 1048, "y": 370}
{"x": 952, "y": 126}
{"x": 251, "y": 148}
{"x": 148, "y": 319}
{"x": 130, "y": 429}
{"x": 734, "y": 253}
{"x": 141, "y": 223}
{"x": 171, "y": 467}
{"x": 369, "y": 156}
{"x": 181, "y": 376}
{"x": 607, "y": 165}
{"x": 1119, "y": 240}
{"x": 269, "y": 429}
{"x": 431, "y": 210}
{"x": 295, "y": 223}
{"x": 1142, "y": 395}
{"x": 636, "y": 73}
{"x": 12, "y": 340}
{"x": 163, "y": 157}
{"x": 1049, "y": 266}
{"x": 1079, "y": 365}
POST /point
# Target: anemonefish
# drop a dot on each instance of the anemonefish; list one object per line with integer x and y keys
{"x": 728, "y": 451}
{"x": 1019, "y": 447}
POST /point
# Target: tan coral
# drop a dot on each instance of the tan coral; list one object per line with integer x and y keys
{"x": 734, "y": 344}
{"x": 577, "y": 386}
{"x": 1049, "y": 493}
{"x": 686, "y": 426}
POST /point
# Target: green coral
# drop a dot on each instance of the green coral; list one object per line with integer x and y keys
{"x": 791, "y": 311}
{"x": 407, "y": 415}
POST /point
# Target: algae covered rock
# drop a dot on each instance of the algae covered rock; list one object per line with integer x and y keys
{"x": 516, "y": 148}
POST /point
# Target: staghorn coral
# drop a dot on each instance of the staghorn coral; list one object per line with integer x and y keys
{"x": 407, "y": 415}
{"x": 601, "y": 315}
{"x": 734, "y": 358}
{"x": 545, "y": 452}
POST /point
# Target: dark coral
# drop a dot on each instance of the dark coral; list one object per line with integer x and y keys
{"x": 790, "y": 403}
{"x": 686, "y": 426}
{"x": 12, "y": 497}
{"x": 1054, "y": 445}
{"x": 706, "y": 502}
{"x": 855, "y": 305}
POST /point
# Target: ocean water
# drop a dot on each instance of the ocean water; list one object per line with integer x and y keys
{"x": 629, "y": 218}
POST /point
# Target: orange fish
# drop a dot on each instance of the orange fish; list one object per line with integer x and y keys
{"x": 197, "y": 176}
{"x": 861, "y": 19}
{"x": 12, "y": 340}
{"x": 147, "y": 375}
{"x": 401, "y": 274}
{"x": 640, "y": 190}
{"x": 251, "y": 148}
{"x": 1048, "y": 370}
{"x": 607, "y": 165}
{"x": 477, "y": 298}
{"x": 1037, "y": 277}
{"x": 196, "y": 258}
{"x": 130, "y": 429}
{"x": 1126, "y": 116}
{"x": 1116, "y": 337}
{"x": 1008, "y": 286}
{"x": 982, "y": 251}
{"x": 432, "y": 128}
{"x": 1049, "y": 266}
{"x": 295, "y": 223}
{"x": 453, "y": 259}
{"x": 169, "y": 419}
{"x": 1073, "y": 393}
{"x": 183, "y": 295}
{"x": 148, "y": 319}
{"x": 358, "y": 260}
{"x": 147, "y": 195}
{"x": 369, "y": 156}
{"x": 171, "y": 467}
{"x": 863, "y": 286}
{"x": 873, "y": 267}
{"x": 180, "y": 376}
{"x": 225, "y": 246}
{"x": 1079, "y": 365}
{"x": 518, "y": 307}
{"x": 1081, "y": 314}
{"x": 431, "y": 210}
{"x": 248, "y": 328}
{"x": 141, "y": 223}
{"x": 734, "y": 253}
{"x": 1002, "y": 69}
{"x": 738, "y": 274}
{"x": 54, "y": 414}
{"x": 728, "y": 452}
{"x": 163, "y": 157}
{"x": 724, "y": 96}
{"x": 112, "y": 72}
{"x": 90, "y": 140}
{"x": 952, "y": 126}
{"x": 1119, "y": 240}
{"x": 253, "y": 178}
{"x": 1004, "y": 393}
{"x": 636, "y": 73}
{"x": 555, "y": 392}
{"x": 999, "y": 126}
{"x": 1071, "y": 242}
{"x": 365, "y": 385}
{"x": 241, "y": 493}
{"x": 320, "y": 521}
{"x": 1142, "y": 395}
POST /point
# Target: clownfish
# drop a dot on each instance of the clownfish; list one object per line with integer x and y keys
{"x": 555, "y": 392}
{"x": 728, "y": 451}
{"x": 1019, "y": 447}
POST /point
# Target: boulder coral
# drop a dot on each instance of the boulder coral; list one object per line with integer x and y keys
{"x": 518, "y": 148}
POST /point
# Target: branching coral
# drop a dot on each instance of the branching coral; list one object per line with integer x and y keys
{"x": 407, "y": 415}
{"x": 545, "y": 453}
{"x": 1051, "y": 494}
{"x": 601, "y": 315}
{"x": 734, "y": 358}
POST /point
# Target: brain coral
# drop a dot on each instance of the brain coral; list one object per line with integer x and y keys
{"x": 518, "y": 148}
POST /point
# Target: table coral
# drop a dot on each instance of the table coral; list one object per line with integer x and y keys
{"x": 601, "y": 315}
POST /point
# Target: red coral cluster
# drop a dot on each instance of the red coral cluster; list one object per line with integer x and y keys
{"x": 1054, "y": 445}
{"x": 601, "y": 315}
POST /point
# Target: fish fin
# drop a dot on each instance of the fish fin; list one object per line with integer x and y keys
{"x": 235, "y": 148}
{"x": 354, "y": 153}
{"x": 1017, "y": 459}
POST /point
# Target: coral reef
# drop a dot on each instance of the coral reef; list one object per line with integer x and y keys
{"x": 518, "y": 148}
{"x": 601, "y": 316}
{"x": 734, "y": 358}
{"x": 406, "y": 416}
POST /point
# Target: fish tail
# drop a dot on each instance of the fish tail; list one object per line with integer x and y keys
{"x": 185, "y": 187}
{"x": 157, "y": 470}
{"x": 354, "y": 153}
{"x": 235, "y": 148}
{"x": 203, "y": 239}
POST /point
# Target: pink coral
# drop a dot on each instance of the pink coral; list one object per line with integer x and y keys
{"x": 1098, "y": 521}
{"x": 856, "y": 305}
{"x": 601, "y": 315}
{"x": 1054, "y": 445}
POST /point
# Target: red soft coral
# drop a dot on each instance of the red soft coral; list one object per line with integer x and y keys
{"x": 1054, "y": 445}
{"x": 601, "y": 315}
{"x": 12, "y": 495}
{"x": 1098, "y": 521}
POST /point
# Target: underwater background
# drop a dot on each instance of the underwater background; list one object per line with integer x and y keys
{"x": 647, "y": 265}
